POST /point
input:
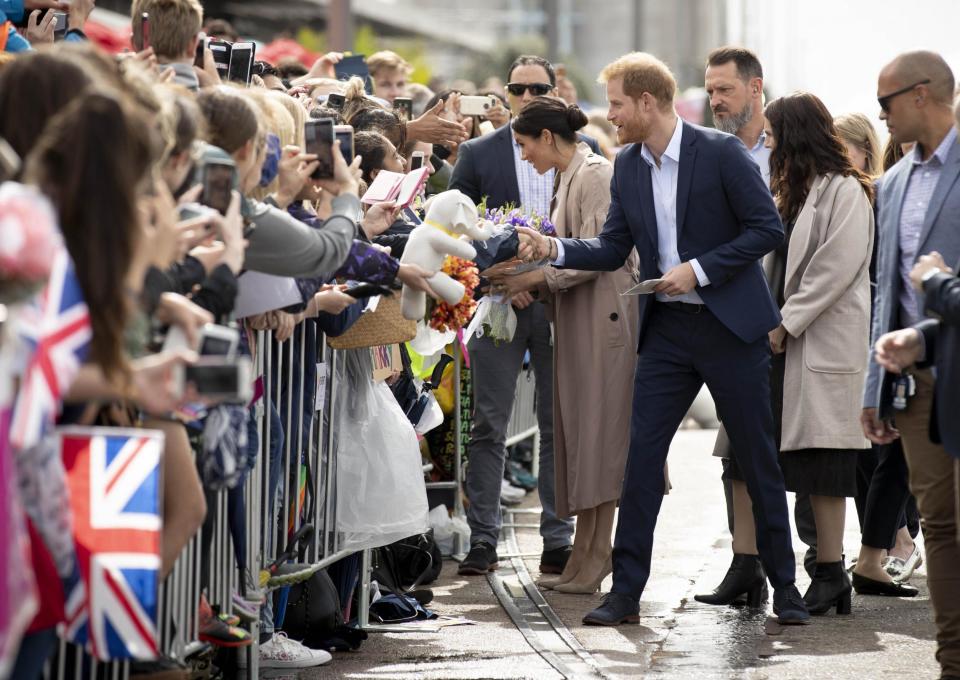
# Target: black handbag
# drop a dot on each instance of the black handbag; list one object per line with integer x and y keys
{"x": 313, "y": 611}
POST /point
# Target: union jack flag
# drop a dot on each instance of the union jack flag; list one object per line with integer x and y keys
{"x": 55, "y": 330}
{"x": 114, "y": 481}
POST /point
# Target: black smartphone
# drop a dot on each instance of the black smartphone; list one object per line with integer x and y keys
{"x": 217, "y": 184}
{"x": 344, "y": 136}
{"x": 240, "y": 67}
{"x": 404, "y": 108}
{"x": 366, "y": 290}
{"x": 335, "y": 101}
{"x": 354, "y": 65}
{"x": 319, "y": 137}
{"x": 221, "y": 55}
{"x": 144, "y": 30}
{"x": 60, "y": 25}
{"x": 201, "y": 44}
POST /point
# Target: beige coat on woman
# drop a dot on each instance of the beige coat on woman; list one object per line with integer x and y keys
{"x": 595, "y": 349}
{"x": 827, "y": 317}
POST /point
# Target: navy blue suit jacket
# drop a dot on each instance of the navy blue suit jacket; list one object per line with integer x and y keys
{"x": 726, "y": 219}
{"x": 485, "y": 168}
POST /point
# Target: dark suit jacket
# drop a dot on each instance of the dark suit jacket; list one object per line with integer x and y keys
{"x": 942, "y": 338}
{"x": 726, "y": 219}
{"x": 485, "y": 168}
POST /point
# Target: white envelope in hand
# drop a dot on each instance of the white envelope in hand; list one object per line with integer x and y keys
{"x": 258, "y": 293}
{"x": 642, "y": 288}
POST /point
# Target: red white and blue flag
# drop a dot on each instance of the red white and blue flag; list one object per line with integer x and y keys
{"x": 55, "y": 332}
{"x": 114, "y": 481}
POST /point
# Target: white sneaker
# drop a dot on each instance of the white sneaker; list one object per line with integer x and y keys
{"x": 282, "y": 652}
{"x": 509, "y": 494}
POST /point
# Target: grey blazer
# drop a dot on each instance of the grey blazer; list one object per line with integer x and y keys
{"x": 941, "y": 232}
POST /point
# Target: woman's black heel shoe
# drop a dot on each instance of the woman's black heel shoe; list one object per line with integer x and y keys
{"x": 844, "y": 605}
{"x": 745, "y": 577}
{"x": 829, "y": 588}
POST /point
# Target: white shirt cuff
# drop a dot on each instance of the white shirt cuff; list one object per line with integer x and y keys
{"x": 701, "y": 275}
{"x": 561, "y": 255}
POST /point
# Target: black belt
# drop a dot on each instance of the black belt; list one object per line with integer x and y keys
{"x": 686, "y": 307}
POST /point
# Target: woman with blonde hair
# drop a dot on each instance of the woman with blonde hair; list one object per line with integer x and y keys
{"x": 857, "y": 134}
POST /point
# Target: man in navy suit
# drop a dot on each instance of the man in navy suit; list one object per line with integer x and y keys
{"x": 696, "y": 208}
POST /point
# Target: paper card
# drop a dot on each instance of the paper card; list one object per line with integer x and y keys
{"x": 643, "y": 288}
{"x": 321, "y": 399}
{"x": 372, "y": 304}
{"x": 258, "y": 293}
{"x": 383, "y": 188}
{"x": 386, "y": 361}
{"x": 410, "y": 186}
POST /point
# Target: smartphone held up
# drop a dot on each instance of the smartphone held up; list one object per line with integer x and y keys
{"x": 320, "y": 137}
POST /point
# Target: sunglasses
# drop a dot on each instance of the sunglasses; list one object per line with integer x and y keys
{"x": 536, "y": 89}
{"x": 885, "y": 100}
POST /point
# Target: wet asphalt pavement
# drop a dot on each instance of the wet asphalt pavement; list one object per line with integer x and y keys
{"x": 677, "y": 637}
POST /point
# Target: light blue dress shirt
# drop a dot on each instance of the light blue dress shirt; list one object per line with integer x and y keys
{"x": 761, "y": 156}
{"x": 663, "y": 178}
{"x": 924, "y": 176}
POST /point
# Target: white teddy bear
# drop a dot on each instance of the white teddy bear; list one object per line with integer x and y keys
{"x": 450, "y": 216}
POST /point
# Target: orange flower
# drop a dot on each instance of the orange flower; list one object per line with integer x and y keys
{"x": 454, "y": 317}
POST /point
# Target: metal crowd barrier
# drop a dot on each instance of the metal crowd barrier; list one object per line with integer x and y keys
{"x": 180, "y": 593}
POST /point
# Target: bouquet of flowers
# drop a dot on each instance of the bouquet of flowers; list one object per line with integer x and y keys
{"x": 445, "y": 317}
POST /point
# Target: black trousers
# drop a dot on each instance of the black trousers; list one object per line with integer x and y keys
{"x": 680, "y": 351}
{"x": 889, "y": 504}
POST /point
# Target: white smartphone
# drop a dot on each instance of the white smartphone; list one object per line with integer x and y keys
{"x": 476, "y": 106}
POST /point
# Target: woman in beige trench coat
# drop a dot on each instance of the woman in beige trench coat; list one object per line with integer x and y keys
{"x": 824, "y": 293}
{"x": 595, "y": 343}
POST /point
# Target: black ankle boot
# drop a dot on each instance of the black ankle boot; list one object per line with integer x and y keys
{"x": 830, "y": 587}
{"x": 744, "y": 577}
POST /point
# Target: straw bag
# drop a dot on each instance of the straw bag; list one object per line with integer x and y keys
{"x": 383, "y": 326}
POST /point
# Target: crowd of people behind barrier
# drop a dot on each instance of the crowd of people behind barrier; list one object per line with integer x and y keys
{"x": 124, "y": 254}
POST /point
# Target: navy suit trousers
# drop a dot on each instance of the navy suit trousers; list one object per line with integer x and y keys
{"x": 680, "y": 351}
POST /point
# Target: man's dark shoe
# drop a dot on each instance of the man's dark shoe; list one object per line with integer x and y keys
{"x": 616, "y": 608}
{"x": 553, "y": 561}
{"x": 789, "y": 606}
{"x": 481, "y": 559}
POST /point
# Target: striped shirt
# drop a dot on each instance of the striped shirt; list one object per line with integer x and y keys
{"x": 924, "y": 176}
{"x": 536, "y": 190}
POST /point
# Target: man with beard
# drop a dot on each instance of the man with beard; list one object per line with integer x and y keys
{"x": 734, "y": 84}
{"x": 695, "y": 207}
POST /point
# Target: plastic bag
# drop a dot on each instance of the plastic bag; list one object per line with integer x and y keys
{"x": 432, "y": 416}
{"x": 447, "y": 528}
{"x": 494, "y": 318}
{"x": 381, "y": 496}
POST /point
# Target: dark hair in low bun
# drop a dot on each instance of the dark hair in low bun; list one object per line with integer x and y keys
{"x": 550, "y": 113}
{"x": 576, "y": 119}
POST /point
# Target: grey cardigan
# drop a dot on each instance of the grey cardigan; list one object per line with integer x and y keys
{"x": 282, "y": 245}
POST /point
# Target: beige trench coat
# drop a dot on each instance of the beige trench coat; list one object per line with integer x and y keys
{"x": 826, "y": 313}
{"x": 595, "y": 349}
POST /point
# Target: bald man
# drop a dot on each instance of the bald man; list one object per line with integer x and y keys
{"x": 919, "y": 212}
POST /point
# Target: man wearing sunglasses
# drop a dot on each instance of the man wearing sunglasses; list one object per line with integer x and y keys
{"x": 491, "y": 167}
{"x": 919, "y": 201}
